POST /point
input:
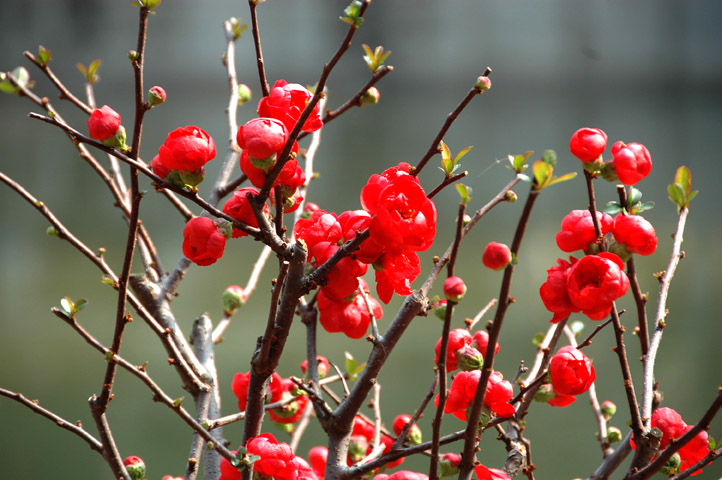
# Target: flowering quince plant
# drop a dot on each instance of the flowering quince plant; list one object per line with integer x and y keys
{"x": 322, "y": 280}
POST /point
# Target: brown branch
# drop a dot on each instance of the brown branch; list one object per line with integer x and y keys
{"x": 64, "y": 92}
{"x": 450, "y": 118}
{"x": 257, "y": 44}
{"x": 446, "y": 182}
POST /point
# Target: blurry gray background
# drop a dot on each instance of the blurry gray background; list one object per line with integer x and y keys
{"x": 645, "y": 71}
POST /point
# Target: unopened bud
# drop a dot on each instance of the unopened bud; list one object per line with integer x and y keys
{"x": 482, "y": 84}
{"x": 233, "y": 298}
{"x": 371, "y": 96}
{"x": 614, "y": 435}
{"x": 469, "y": 358}
{"x": 133, "y": 55}
{"x": 510, "y": 196}
{"x": 449, "y": 464}
{"x": 608, "y": 409}
{"x": 672, "y": 466}
{"x": 51, "y": 231}
{"x": 440, "y": 310}
{"x": 244, "y": 94}
{"x": 224, "y": 227}
{"x": 135, "y": 467}
{"x": 156, "y": 96}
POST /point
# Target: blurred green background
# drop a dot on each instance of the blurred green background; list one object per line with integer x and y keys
{"x": 645, "y": 71}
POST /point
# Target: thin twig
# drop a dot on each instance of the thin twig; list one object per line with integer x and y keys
{"x": 257, "y": 44}
{"x": 64, "y": 92}
{"x": 477, "y": 318}
{"x": 446, "y": 182}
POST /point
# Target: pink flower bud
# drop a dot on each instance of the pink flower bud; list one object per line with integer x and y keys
{"x": 469, "y": 358}
{"x": 156, "y": 96}
{"x": 449, "y": 464}
{"x": 635, "y": 233}
{"x": 203, "y": 243}
{"x": 483, "y": 83}
{"x": 262, "y": 137}
{"x": 233, "y": 298}
{"x": 608, "y": 409}
{"x": 496, "y": 256}
{"x": 631, "y": 162}
{"x": 588, "y": 144}
{"x": 135, "y": 467}
{"x": 103, "y": 123}
{"x": 454, "y": 289}
{"x": 322, "y": 366}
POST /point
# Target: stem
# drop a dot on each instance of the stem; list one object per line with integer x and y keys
{"x": 257, "y": 44}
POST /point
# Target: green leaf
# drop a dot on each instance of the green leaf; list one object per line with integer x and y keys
{"x": 518, "y": 162}
{"x": 67, "y": 306}
{"x": 464, "y": 192}
{"x": 642, "y": 207}
{"x": 538, "y": 339}
{"x": 350, "y": 363}
{"x": 5, "y": 85}
{"x": 712, "y": 442}
{"x": 612, "y": 208}
{"x": 461, "y": 154}
{"x": 683, "y": 178}
{"x": 44, "y": 55}
{"x": 550, "y": 157}
{"x": 634, "y": 196}
{"x": 178, "y": 402}
{"x": 447, "y": 164}
{"x": 692, "y": 195}
{"x": 561, "y": 179}
{"x": 105, "y": 279}
{"x": 351, "y": 14}
{"x": 80, "y": 305}
{"x": 22, "y": 77}
{"x": 676, "y": 193}
{"x": 542, "y": 173}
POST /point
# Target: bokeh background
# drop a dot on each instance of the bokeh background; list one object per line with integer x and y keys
{"x": 646, "y": 71}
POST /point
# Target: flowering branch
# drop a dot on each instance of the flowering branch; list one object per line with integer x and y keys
{"x": 64, "y": 92}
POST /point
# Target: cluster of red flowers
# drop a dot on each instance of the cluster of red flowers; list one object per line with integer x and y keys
{"x": 464, "y": 350}
{"x": 463, "y": 389}
{"x": 274, "y": 461}
{"x": 630, "y": 163}
{"x": 673, "y": 427}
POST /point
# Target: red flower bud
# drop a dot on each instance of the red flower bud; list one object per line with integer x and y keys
{"x": 578, "y": 231}
{"x": 496, "y": 256}
{"x": 454, "y": 289}
{"x": 293, "y": 411}
{"x": 588, "y": 144}
{"x": 371, "y": 96}
{"x": 321, "y": 226}
{"x": 274, "y": 455}
{"x": 203, "y": 243}
{"x": 156, "y": 96}
{"x": 103, "y": 123}
{"x": 400, "y": 423}
{"x": 317, "y": 457}
{"x": 635, "y": 233}
{"x": 402, "y": 475}
{"x": 480, "y": 341}
{"x": 458, "y": 339}
{"x": 571, "y": 371}
{"x": 135, "y": 467}
{"x": 187, "y": 148}
{"x": 350, "y": 317}
{"x": 262, "y": 137}
{"x": 286, "y": 102}
{"x": 485, "y": 473}
{"x": 449, "y": 464}
{"x": 239, "y": 207}
{"x": 631, "y": 162}
{"x": 363, "y": 428}
{"x": 322, "y": 366}
{"x": 240, "y": 382}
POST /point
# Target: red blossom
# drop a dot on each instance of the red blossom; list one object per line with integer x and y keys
{"x": 496, "y": 256}
{"x": 240, "y": 382}
{"x": 274, "y": 456}
{"x": 463, "y": 390}
{"x": 454, "y": 288}
{"x": 594, "y": 282}
{"x": 554, "y": 294}
{"x": 402, "y": 475}
{"x": 342, "y": 280}
{"x": 571, "y": 371}
{"x": 578, "y": 231}
{"x": 394, "y": 273}
{"x": 103, "y": 123}
{"x": 317, "y": 457}
{"x": 631, "y": 162}
{"x": 458, "y": 339}
{"x": 322, "y": 366}
{"x": 240, "y": 208}
{"x": 480, "y": 341}
{"x": 356, "y": 221}
{"x": 286, "y": 102}
{"x": 320, "y": 226}
{"x": 635, "y": 233}
{"x": 262, "y": 137}
{"x": 187, "y": 148}
{"x": 588, "y": 144}
{"x": 293, "y": 411}
{"x": 203, "y": 243}
{"x": 485, "y": 473}
{"x": 350, "y": 317}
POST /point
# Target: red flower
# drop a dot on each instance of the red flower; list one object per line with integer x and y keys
{"x": 274, "y": 456}
{"x": 496, "y": 256}
{"x": 240, "y": 388}
{"x": 454, "y": 288}
{"x": 594, "y": 282}
{"x": 631, "y": 162}
{"x": 159, "y": 168}
{"x": 187, "y": 148}
{"x": 228, "y": 471}
{"x": 402, "y": 475}
{"x": 463, "y": 390}
{"x": 297, "y": 469}
{"x": 321, "y": 226}
{"x": 317, "y": 457}
{"x": 388, "y": 442}
{"x": 262, "y": 137}
{"x": 578, "y": 230}
{"x": 289, "y": 175}
{"x": 203, "y": 243}
{"x": 362, "y": 428}
{"x": 394, "y": 273}
{"x": 291, "y": 412}
{"x": 588, "y": 144}
{"x": 635, "y": 233}
{"x": 485, "y": 473}
{"x": 103, "y": 123}
{"x": 571, "y": 371}
{"x": 342, "y": 279}
{"x": 554, "y": 294}
{"x": 458, "y": 339}
{"x": 356, "y": 221}
{"x": 240, "y": 208}
{"x": 286, "y": 102}
{"x": 404, "y": 219}
{"x": 322, "y": 366}
{"x": 480, "y": 341}
{"x": 370, "y": 192}
{"x": 352, "y": 318}
{"x": 400, "y": 423}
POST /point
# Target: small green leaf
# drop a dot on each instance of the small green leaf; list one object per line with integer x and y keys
{"x": 538, "y": 339}
{"x": 676, "y": 193}
{"x": 524, "y": 177}
{"x": 642, "y": 207}
{"x": 634, "y": 196}
{"x": 542, "y": 173}
{"x": 518, "y": 162}
{"x": 550, "y": 157}
{"x": 80, "y": 305}
{"x": 561, "y": 179}
{"x": 612, "y": 208}
{"x": 109, "y": 355}
{"x": 461, "y": 154}
{"x": 683, "y": 178}
{"x": 464, "y": 193}
{"x": 105, "y": 279}
{"x": 177, "y": 402}
{"x": 66, "y": 304}
{"x": 351, "y": 14}
{"x": 351, "y": 363}
{"x": 44, "y": 55}
{"x": 692, "y": 195}
{"x": 712, "y": 442}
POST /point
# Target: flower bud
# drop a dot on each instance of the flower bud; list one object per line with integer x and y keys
{"x": 440, "y": 310}
{"x": 370, "y": 96}
{"x": 469, "y": 358}
{"x": 156, "y": 96}
{"x": 510, "y": 196}
{"x": 588, "y": 144}
{"x": 449, "y": 464}
{"x": 671, "y": 467}
{"x": 233, "y": 298}
{"x": 614, "y": 435}
{"x": 482, "y": 84}
{"x": 608, "y": 409}
{"x": 135, "y": 466}
{"x": 104, "y": 126}
{"x": 244, "y": 94}
{"x": 51, "y": 231}
{"x": 400, "y": 423}
{"x": 496, "y": 256}
{"x": 454, "y": 289}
